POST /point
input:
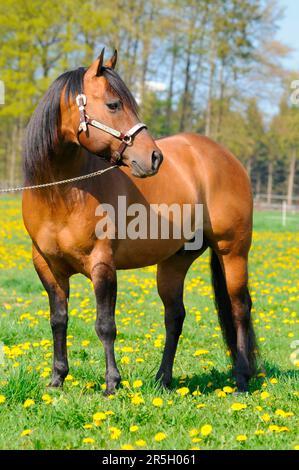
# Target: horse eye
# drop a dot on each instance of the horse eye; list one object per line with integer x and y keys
{"x": 114, "y": 106}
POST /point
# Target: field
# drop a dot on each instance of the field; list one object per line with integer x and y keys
{"x": 201, "y": 412}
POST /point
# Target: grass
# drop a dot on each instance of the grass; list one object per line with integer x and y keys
{"x": 63, "y": 419}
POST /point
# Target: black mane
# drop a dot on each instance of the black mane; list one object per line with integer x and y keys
{"x": 42, "y": 134}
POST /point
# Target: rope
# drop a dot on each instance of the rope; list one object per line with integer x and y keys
{"x": 54, "y": 183}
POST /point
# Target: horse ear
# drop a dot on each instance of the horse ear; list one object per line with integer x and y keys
{"x": 112, "y": 61}
{"x": 96, "y": 67}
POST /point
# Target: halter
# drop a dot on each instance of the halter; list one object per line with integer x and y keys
{"x": 125, "y": 138}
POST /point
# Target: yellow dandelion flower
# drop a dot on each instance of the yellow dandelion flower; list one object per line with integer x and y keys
{"x": 265, "y": 395}
{"x": 259, "y": 432}
{"x": 238, "y": 406}
{"x": 273, "y": 428}
{"x": 265, "y": 417}
{"x": 88, "y": 440}
{"x": 157, "y": 402}
{"x": 228, "y": 389}
{"x": 201, "y": 405}
{"x": 29, "y": 402}
{"x": 137, "y": 383}
{"x": 127, "y": 447}
{"x": 183, "y": 391}
{"x": 136, "y": 399}
{"x": 87, "y": 426}
{"x": 140, "y": 443}
{"x": 200, "y": 352}
{"x": 193, "y": 432}
{"x": 26, "y": 432}
{"x": 47, "y": 398}
{"x": 196, "y": 393}
{"x": 114, "y": 433}
{"x": 134, "y": 428}
{"x": 160, "y": 436}
{"x": 2, "y": 398}
{"x": 99, "y": 417}
{"x": 241, "y": 438}
{"x": 206, "y": 430}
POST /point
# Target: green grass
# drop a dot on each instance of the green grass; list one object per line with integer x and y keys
{"x": 25, "y": 332}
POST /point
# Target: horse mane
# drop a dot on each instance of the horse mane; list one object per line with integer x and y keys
{"x": 42, "y": 133}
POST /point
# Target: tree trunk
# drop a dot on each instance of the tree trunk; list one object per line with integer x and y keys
{"x": 171, "y": 87}
{"x": 210, "y": 90}
{"x": 291, "y": 178}
{"x": 13, "y": 156}
{"x": 270, "y": 182}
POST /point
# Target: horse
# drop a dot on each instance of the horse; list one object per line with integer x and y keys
{"x": 83, "y": 116}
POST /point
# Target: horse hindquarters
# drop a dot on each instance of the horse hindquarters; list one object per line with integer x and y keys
{"x": 232, "y": 298}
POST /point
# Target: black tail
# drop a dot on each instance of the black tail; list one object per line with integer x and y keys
{"x": 224, "y": 308}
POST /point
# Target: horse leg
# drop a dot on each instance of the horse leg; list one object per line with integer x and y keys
{"x": 57, "y": 287}
{"x": 234, "y": 303}
{"x": 170, "y": 281}
{"x": 105, "y": 286}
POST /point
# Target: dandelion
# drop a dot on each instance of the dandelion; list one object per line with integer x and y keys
{"x": 136, "y": 399}
{"x": 88, "y": 440}
{"x": 265, "y": 395}
{"x": 114, "y": 433}
{"x": 134, "y": 428}
{"x": 87, "y": 426}
{"x": 85, "y": 343}
{"x": 193, "y": 432}
{"x": 2, "y": 399}
{"x": 140, "y": 443}
{"x": 206, "y": 430}
{"x": 26, "y": 432}
{"x": 196, "y": 393}
{"x": 241, "y": 438}
{"x": 47, "y": 398}
{"x": 265, "y": 417}
{"x": 259, "y": 432}
{"x": 160, "y": 436}
{"x": 157, "y": 402}
{"x": 183, "y": 391}
{"x": 238, "y": 406}
{"x": 99, "y": 417}
{"x": 29, "y": 402}
{"x": 137, "y": 383}
{"x": 200, "y": 352}
{"x": 127, "y": 447}
{"x": 228, "y": 389}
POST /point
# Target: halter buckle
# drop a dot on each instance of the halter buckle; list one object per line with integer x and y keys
{"x": 79, "y": 98}
{"x": 128, "y": 140}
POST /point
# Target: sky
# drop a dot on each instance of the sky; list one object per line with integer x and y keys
{"x": 289, "y": 31}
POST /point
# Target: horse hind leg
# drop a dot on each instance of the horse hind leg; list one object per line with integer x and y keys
{"x": 57, "y": 287}
{"x": 229, "y": 274}
{"x": 170, "y": 282}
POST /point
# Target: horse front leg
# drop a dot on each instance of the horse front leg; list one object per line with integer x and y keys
{"x": 57, "y": 287}
{"x": 105, "y": 286}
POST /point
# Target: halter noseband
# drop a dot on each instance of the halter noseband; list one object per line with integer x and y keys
{"x": 126, "y": 138}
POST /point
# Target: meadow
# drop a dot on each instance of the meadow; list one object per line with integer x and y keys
{"x": 201, "y": 411}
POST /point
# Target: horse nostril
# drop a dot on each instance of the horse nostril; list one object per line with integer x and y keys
{"x": 157, "y": 158}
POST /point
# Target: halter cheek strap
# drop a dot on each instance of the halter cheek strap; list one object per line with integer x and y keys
{"x": 126, "y": 138}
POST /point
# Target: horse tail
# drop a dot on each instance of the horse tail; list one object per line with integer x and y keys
{"x": 225, "y": 315}
{"x": 223, "y": 304}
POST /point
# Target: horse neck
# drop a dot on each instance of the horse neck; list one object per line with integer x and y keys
{"x": 69, "y": 161}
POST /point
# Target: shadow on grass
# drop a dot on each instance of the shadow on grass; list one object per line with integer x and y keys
{"x": 207, "y": 382}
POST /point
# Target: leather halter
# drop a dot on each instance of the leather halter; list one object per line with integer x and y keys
{"x": 125, "y": 138}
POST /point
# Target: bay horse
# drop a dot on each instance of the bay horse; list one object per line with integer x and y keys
{"x": 85, "y": 114}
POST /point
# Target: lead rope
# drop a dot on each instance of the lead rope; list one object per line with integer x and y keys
{"x": 54, "y": 183}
